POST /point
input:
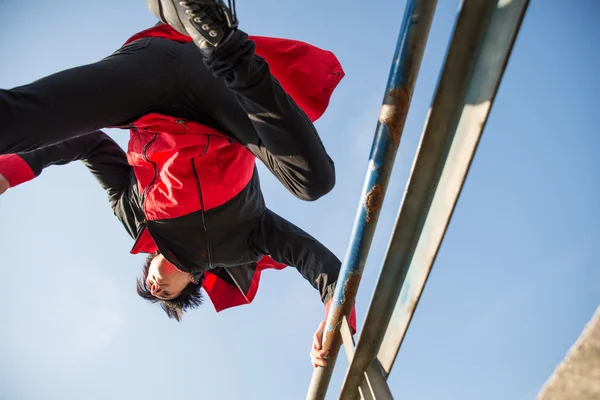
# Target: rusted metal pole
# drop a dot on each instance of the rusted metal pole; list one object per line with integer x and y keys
{"x": 446, "y": 106}
{"x": 405, "y": 68}
{"x": 492, "y": 56}
{"x": 477, "y": 56}
{"x": 375, "y": 386}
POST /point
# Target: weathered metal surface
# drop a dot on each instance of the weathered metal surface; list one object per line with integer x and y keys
{"x": 374, "y": 386}
{"x": 347, "y": 338}
{"x": 394, "y": 111}
{"x": 340, "y": 309}
{"x": 478, "y": 52}
{"x": 453, "y": 142}
{"x": 400, "y": 86}
{"x": 373, "y": 201}
{"x": 348, "y": 341}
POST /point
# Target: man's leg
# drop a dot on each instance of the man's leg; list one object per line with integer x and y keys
{"x": 265, "y": 118}
{"x": 257, "y": 111}
{"x": 262, "y": 116}
{"x": 118, "y": 89}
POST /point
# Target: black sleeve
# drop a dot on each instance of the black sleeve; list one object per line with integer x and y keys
{"x": 288, "y": 244}
{"x": 105, "y": 159}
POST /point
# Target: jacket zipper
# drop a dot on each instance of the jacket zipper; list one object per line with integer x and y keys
{"x": 208, "y": 252}
{"x": 145, "y": 156}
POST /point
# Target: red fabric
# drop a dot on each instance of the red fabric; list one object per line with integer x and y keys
{"x": 223, "y": 168}
{"x": 15, "y": 169}
{"x": 308, "y": 74}
{"x": 351, "y": 318}
{"x": 224, "y": 295}
{"x": 144, "y": 243}
{"x": 162, "y": 31}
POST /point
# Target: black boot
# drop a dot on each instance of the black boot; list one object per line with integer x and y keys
{"x": 208, "y": 22}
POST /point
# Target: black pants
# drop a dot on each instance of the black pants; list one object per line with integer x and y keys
{"x": 232, "y": 91}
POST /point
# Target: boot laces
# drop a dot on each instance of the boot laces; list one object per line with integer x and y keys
{"x": 215, "y": 13}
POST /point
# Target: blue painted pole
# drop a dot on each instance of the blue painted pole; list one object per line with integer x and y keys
{"x": 404, "y": 71}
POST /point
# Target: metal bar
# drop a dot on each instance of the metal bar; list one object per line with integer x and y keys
{"x": 365, "y": 392}
{"x": 377, "y": 382}
{"x": 374, "y": 386}
{"x": 348, "y": 341}
{"x": 435, "y": 186}
{"x": 400, "y": 85}
{"x": 347, "y": 338}
{"x": 445, "y": 111}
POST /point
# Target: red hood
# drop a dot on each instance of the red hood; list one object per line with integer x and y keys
{"x": 223, "y": 295}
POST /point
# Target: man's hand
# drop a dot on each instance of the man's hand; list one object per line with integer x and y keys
{"x": 4, "y": 185}
{"x": 317, "y": 356}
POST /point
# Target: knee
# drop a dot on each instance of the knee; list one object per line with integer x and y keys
{"x": 320, "y": 184}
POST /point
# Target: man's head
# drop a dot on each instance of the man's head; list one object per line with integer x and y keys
{"x": 174, "y": 289}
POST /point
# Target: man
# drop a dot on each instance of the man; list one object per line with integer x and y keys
{"x": 187, "y": 190}
{"x": 179, "y": 290}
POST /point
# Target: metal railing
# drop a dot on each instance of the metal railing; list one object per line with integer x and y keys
{"x": 405, "y": 67}
{"x": 477, "y": 56}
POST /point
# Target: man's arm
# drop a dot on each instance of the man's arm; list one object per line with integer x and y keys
{"x": 288, "y": 244}
{"x": 101, "y": 155}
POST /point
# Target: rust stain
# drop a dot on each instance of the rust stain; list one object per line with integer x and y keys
{"x": 332, "y": 333}
{"x": 331, "y": 337}
{"x": 393, "y": 112}
{"x": 373, "y": 201}
{"x": 350, "y": 288}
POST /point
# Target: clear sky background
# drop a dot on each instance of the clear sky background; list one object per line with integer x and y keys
{"x": 515, "y": 281}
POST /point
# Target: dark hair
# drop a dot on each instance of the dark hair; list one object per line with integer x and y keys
{"x": 190, "y": 297}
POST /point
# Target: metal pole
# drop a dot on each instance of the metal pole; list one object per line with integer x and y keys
{"x": 446, "y": 107}
{"x": 473, "y": 70}
{"x": 492, "y": 57}
{"x": 405, "y": 67}
{"x": 375, "y": 386}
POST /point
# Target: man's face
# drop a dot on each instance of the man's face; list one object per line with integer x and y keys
{"x": 164, "y": 280}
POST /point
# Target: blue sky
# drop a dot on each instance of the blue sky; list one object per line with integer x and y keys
{"x": 515, "y": 281}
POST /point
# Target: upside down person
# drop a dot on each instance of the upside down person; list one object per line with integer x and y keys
{"x": 187, "y": 189}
